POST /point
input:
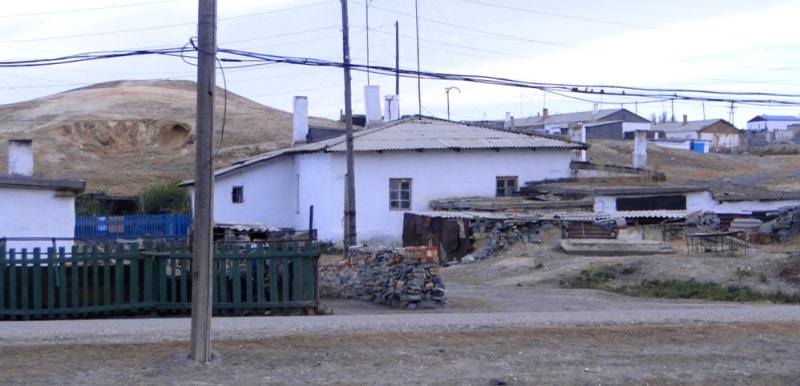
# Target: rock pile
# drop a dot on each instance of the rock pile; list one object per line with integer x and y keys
{"x": 785, "y": 225}
{"x": 405, "y": 277}
{"x": 496, "y": 235}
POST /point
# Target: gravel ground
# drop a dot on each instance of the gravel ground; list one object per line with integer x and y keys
{"x": 505, "y": 323}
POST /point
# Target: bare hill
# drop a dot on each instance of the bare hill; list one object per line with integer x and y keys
{"x": 743, "y": 172}
{"x": 126, "y": 135}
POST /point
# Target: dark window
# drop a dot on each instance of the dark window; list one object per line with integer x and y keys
{"x": 399, "y": 193}
{"x": 238, "y": 194}
{"x": 506, "y": 186}
{"x": 652, "y": 203}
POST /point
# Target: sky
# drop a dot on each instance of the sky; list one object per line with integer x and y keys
{"x": 648, "y": 49}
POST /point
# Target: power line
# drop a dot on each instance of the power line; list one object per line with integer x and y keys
{"x": 87, "y": 9}
{"x": 241, "y": 59}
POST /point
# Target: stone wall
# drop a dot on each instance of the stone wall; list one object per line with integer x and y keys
{"x": 397, "y": 277}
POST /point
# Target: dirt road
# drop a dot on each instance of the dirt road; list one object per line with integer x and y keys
{"x": 591, "y": 338}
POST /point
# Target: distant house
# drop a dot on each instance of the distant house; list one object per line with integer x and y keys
{"x": 654, "y": 204}
{"x": 771, "y": 123}
{"x": 400, "y": 166}
{"x": 607, "y": 123}
{"x": 36, "y": 212}
{"x": 718, "y": 133}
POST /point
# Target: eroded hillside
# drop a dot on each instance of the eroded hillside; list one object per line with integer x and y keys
{"x": 124, "y": 136}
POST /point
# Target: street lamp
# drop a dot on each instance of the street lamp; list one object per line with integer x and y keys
{"x": 447, "y": 91}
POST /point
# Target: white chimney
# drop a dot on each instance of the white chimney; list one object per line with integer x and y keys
{"x": 640, "y": 149}
{"x": 299, "y": 120}
{"x": 372, "y": 103}
{"x": 595, "y": 109}
{"x": 507, "y": 122}
{"x": 577, "y": 133}
{"x": 392, "y": 107}
{"x": 20, "y": 157}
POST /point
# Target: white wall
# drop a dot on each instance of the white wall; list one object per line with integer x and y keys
{"x": 321, "y": 185}
{"x": 673, "y": 144}
{"x": 722, "y": 140}
{"x": 269, "y": 195}
{"x": 694, "y": 201}
{"x": 747, "y": 207}
{"x": 688, "y": 134}
{"x": 633, "y": 126}
{"x": 434, "y": 174}
{"x": 554, "y": 129}
{"x": 769, "y": 125}
{"x": 36, "y": 213}
{"x": 703, "y": 201}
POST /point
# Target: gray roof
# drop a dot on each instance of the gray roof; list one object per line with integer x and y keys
{"x": 20, "y": 182}
{"x": 767, "y": 117}
{"x": 567, "y": 118}
{"x": 620, "y": 190}
{"x": 416, "y": 133}
{"x": 688, "y": 126}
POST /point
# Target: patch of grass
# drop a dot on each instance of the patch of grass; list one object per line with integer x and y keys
{"x": 775, "y": 150}
{"x": 691, "y": 289}
{"x": 593, "y": 278}
{"x": 601, "y": 277}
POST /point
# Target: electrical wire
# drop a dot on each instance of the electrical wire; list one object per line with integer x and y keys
{"x": 234, "y": 59}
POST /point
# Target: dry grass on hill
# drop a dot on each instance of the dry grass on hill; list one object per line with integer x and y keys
{"x": 124, "y": 136}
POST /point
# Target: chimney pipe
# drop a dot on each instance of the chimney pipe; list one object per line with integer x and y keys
{"x": 300, "y": 120}
{"x": 577, "y": 133}
{"x": 20, "y": 157}
{"x": 372, "y": 102}
{"x": 685, "y": 119}
{"x": 595, "y": 109}
{"x": 640, "y": 149}
{"x": 507, "y": 122}
{"x": 545, "y": 113}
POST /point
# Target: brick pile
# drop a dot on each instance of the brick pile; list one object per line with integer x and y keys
{"x": 400, "y": 278}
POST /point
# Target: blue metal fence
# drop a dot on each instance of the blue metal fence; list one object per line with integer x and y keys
{"x": 133, "y": 226}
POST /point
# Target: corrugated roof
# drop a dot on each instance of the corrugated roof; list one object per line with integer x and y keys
{"x": 414, "y": 134}
{"x": 619, "y": 190}
{"x": 651, "y": 213}
{"x": 526, "y": 216}
{"x": 420, "y": 133}
{"x": 580, "y": 116}
{"x": 754, "y": 195}
{"x": 767, "y": 117}
{"x": 689, "y": 126}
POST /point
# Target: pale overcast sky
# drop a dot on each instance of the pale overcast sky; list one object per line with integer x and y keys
{"x": 713, "y": 45}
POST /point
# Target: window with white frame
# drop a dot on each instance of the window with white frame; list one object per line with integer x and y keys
{"x": 399, "y": 193}
{"x": 506, "y": 186}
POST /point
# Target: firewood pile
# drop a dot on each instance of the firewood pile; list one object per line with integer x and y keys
{"x": 400, "y": 278}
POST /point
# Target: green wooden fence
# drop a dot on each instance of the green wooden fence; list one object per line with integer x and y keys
{"x": 154, "y": 279}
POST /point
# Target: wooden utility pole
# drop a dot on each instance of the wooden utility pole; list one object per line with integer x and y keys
{"x": 202, "y": 247}
{"x": 350, "y": 181}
